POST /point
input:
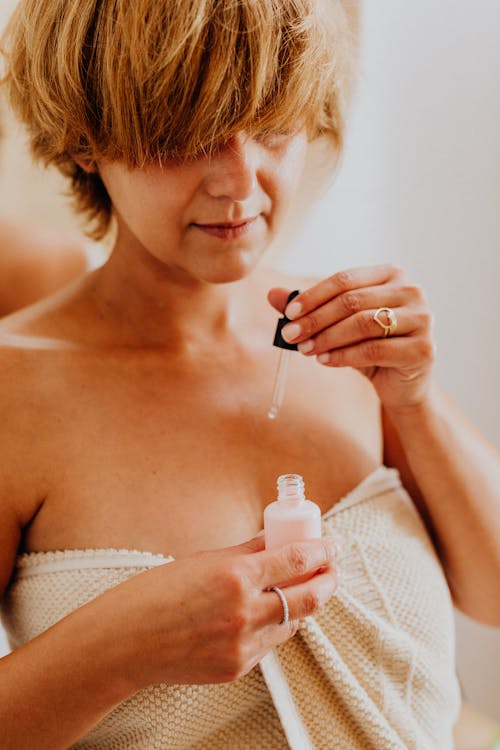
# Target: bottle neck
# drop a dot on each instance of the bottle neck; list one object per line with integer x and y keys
{"x": 291, "y": 489}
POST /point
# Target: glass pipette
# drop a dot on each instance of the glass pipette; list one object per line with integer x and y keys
{"x": 279, "y": 384}
{"x": 281, "y": 372}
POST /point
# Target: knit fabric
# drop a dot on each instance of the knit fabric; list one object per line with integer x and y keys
{"x": 372, "y": 670}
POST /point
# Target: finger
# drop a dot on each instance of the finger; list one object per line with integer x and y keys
{"x": 256, "y": 544}
{"x": 278, "y": 297}
{"x": 303, "y": 599}
{"x": 409, "y": 354}
{"x": 363, "y": 326}
{"x": 275, "y": 566}
{"x": 344, "y": 306}
{"x": 339, "y": 283}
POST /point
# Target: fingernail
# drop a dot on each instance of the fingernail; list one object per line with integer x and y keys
{"x": 293, "y": 310}
{"x": 324, "y": 358}
{"x": 291, "y": 332}
{"x": 306, "y": 346}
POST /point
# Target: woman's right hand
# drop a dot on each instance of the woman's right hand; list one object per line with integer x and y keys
{"x": 209, "y": 617}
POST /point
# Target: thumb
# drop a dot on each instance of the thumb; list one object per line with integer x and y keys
{"x": 277, "y": 297}
{"x": 256, "y": 544}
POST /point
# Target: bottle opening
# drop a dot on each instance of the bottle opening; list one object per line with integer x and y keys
{"x": 291, "y": 488}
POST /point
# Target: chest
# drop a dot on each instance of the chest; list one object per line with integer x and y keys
{"x": 175, "y": 462}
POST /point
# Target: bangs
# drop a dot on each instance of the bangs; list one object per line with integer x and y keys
{"x": 156, "y": 80}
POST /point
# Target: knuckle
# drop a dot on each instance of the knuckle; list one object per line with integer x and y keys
{"x": 236, "y": 624}
{"x": 235, "y": 583}
{"x": 310, "y": 603}
{"x": 366, "y": 324}
{"x": 425, "y": 318}
{"x": 426, "y": 349}
{"x": 297, "y": 561}
{"x": 342, "y": 280}
{"x": 396, "y": 270}
{"x": 351, "y": 303}
{"x": 372, "y": 351}
{"x": 413, "y": 291}
{"x": 311, "y": 324}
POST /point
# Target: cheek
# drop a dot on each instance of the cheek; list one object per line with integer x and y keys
{"x": 147, "y": 202}
{"x": 289, "y": 172}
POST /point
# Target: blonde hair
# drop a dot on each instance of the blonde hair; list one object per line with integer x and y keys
{"x": 154, "y": 80}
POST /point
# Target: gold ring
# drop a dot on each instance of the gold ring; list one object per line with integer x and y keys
{"x": 392, "y": 322}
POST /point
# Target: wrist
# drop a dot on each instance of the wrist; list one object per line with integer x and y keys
{"x": 116, "y": 642}
{"x": 417, "y": 412}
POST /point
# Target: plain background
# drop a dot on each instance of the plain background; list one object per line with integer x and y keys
{"x": 419, "y": 185}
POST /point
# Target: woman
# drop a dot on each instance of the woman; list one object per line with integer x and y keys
{"x": 135, "y": 430}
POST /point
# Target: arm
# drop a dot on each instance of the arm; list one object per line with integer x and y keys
{"x": 453, "y": 474}
{"x": 58, "y": 686}
{"x": 54, "y": 689}
{"x": 449, "y": 468}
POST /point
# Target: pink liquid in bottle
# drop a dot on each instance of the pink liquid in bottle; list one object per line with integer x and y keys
{"x": 291, "y": 518}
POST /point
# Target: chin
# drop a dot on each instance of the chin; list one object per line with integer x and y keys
{"x": 228, "y": 275}
{"x": 226, "y": 270}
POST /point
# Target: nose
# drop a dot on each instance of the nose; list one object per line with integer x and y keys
{"x": 232, "y": 170}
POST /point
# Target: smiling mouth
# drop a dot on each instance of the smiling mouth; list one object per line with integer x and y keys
{"x": 228, "y": 230}
{"x": 227, "y": 224}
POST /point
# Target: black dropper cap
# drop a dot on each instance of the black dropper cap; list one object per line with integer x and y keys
{"x": 278, "y": 338}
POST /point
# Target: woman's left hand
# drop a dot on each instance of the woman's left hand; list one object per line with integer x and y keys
{"x": 336, "y": 324}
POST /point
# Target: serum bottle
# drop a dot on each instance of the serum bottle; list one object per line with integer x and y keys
{"x": 291, "y": 518}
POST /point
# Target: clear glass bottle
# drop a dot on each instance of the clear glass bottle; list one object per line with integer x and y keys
{"x": 291, "y": 518}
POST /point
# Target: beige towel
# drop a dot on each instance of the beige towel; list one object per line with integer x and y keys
{"x": 373, "y": 670}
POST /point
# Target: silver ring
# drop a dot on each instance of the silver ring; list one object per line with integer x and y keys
{"x": 284, "y": 603}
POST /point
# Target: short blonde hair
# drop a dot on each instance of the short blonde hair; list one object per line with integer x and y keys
{"x": 154, "y": 80}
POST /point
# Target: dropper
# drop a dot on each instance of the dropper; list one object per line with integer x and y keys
{"x": 284, "y": 357}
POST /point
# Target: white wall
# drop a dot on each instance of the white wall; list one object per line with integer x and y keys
{"x": 419, "y": 185}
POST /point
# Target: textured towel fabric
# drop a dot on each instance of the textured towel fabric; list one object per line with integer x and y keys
{"x": 373, "y": 670}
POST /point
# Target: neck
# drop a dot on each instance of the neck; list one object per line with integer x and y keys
{"x": 151, "y": 304}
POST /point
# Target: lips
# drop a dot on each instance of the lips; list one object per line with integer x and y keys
{"x": 228, "y": 230}
{"x": 227, "y": 224}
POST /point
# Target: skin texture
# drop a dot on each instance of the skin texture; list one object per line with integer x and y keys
{"x": 145, "y": 389}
